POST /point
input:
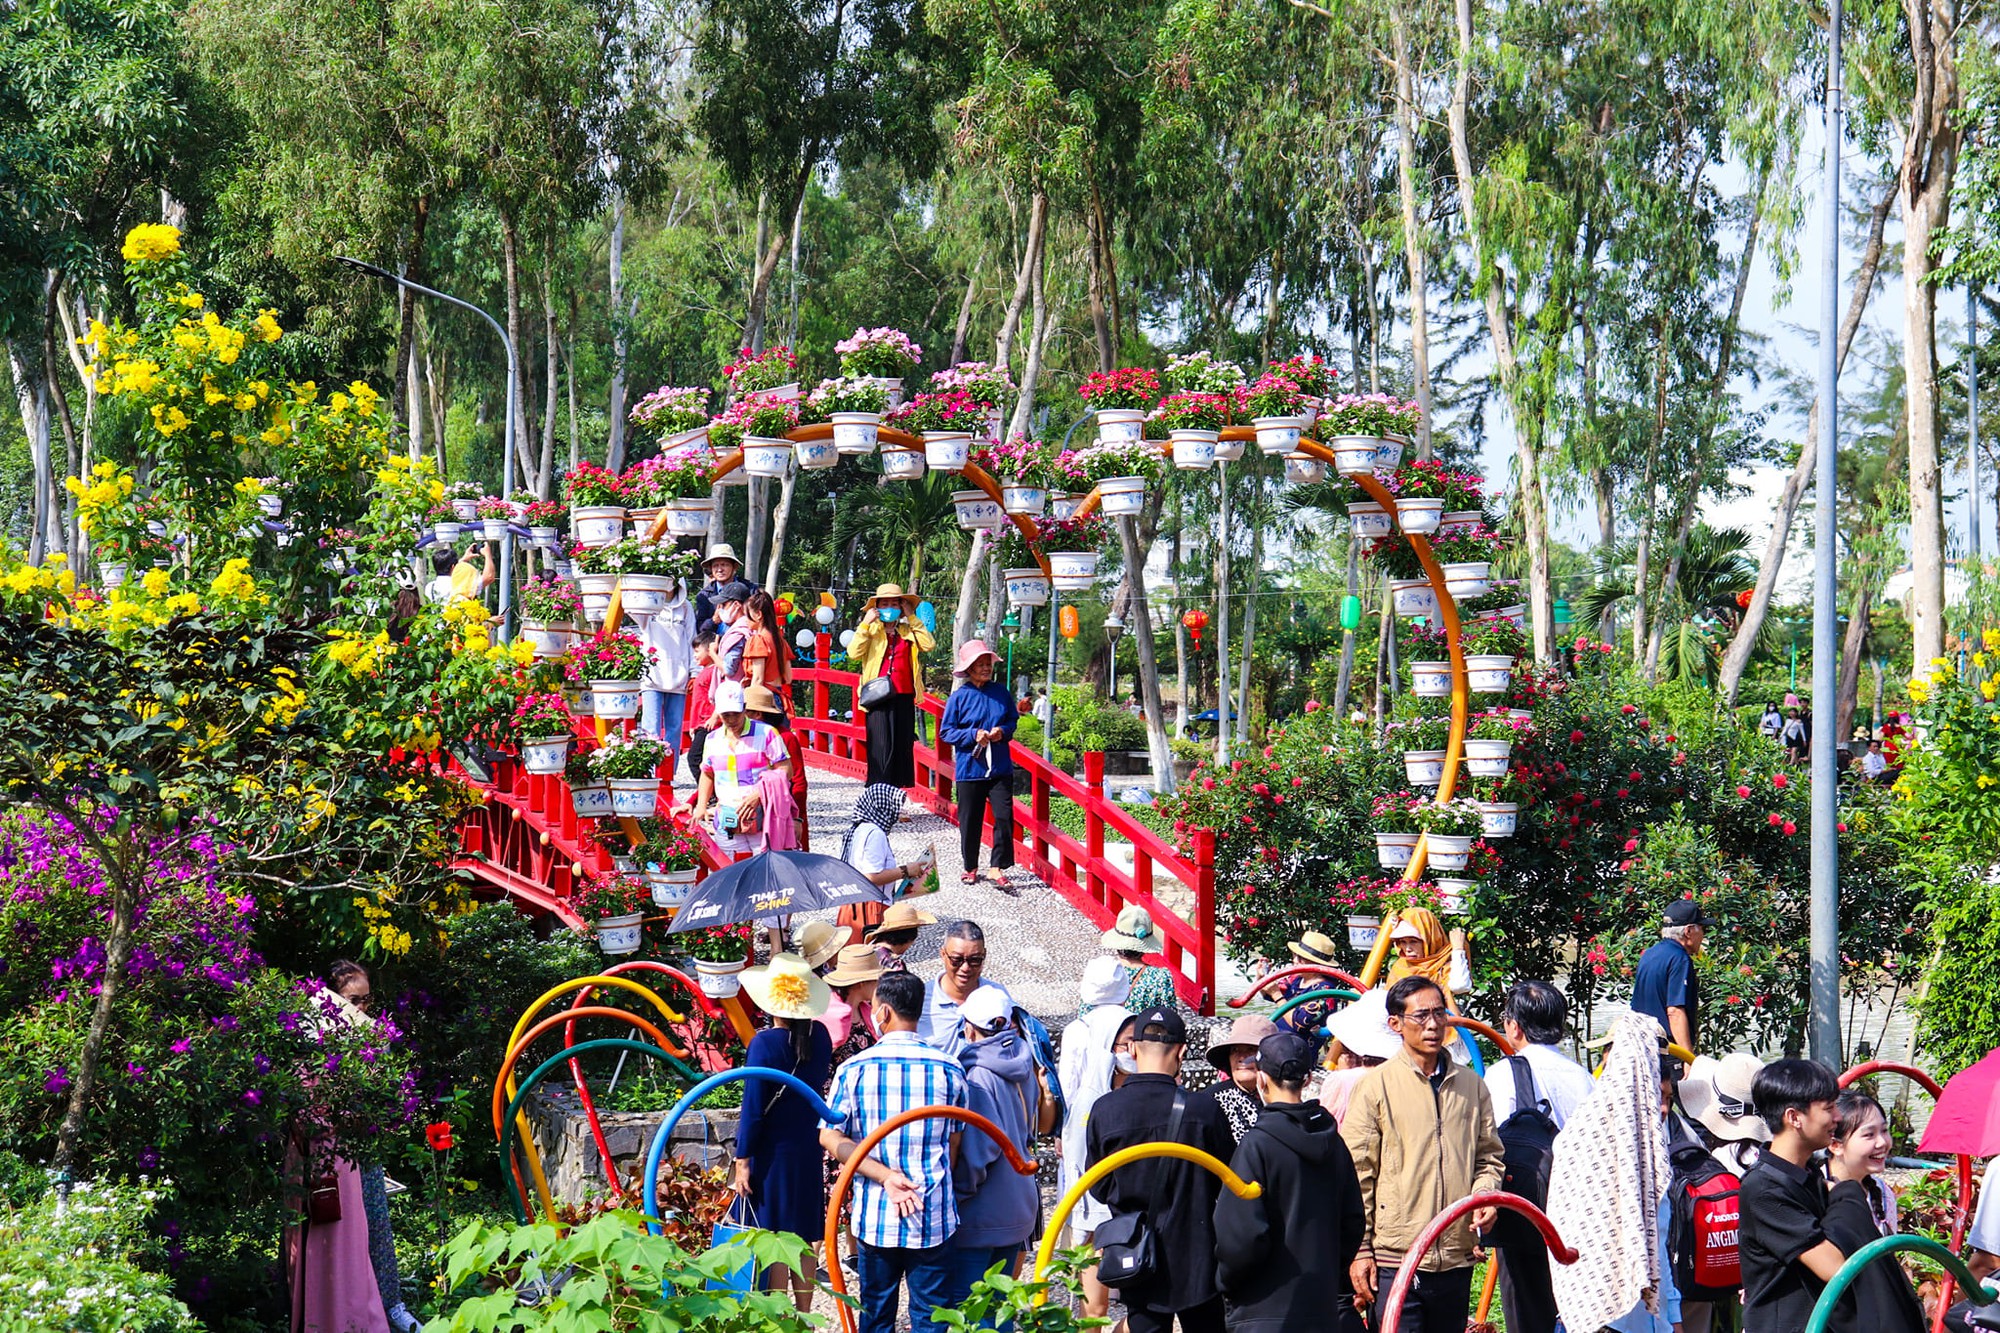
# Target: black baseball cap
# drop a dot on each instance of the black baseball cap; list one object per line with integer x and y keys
{"x": 1686, "y": 912}
{"x": 736, "y": 590}
{"x": 1285, "y": 1057}
{"x": 1162, "y": 1025}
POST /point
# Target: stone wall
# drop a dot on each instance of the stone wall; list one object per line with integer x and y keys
{"x": 569, "y": 1154}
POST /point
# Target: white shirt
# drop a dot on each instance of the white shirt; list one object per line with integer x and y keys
{"x": 670, "y": 635}
{"x": 869, "y": 852}
{"x": 1872, "y": 764}
{"x": 1560, "y": 1081}
{"x": 1985, "y": 1233}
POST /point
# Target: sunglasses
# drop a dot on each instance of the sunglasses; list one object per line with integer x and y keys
{"x": 964, "y": 960}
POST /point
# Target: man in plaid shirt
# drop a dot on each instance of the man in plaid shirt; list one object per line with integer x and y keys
{"x": 904, "y": 1213}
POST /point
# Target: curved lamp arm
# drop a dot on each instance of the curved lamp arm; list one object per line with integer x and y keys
{"x": 1407, "y": 1274}
{"x": 542, "y": 1070}
{"x": 1954, "y": 1267}
{"x": 665, "y": 1134}
{"x": 1295, "y": 970}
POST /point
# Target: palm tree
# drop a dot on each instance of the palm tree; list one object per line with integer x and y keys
{"x": 902, "y": 525}
{"x": 1702, "y": 609}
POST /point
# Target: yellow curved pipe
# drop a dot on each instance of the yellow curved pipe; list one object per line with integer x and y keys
{"x": 1674, "y": 1048}
{"x": 507, "y": 1067}
{"x": 1241, "y": 1188}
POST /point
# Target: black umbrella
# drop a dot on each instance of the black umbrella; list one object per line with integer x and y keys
{"x": 773, "y": 884}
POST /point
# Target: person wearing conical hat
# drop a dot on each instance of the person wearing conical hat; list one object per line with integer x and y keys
{"x": 889, "y": 643}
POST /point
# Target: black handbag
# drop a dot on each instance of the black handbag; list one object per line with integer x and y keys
{"x": 1128, "y": 1253}
{"x": 877, "y": 691}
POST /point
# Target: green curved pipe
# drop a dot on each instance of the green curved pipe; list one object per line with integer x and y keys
{"x": 542, "y": 1071}
{"x": 1330, "y": 993}
{"x": 1823, "y": 1312}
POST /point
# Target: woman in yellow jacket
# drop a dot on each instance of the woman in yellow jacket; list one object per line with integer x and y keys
{"x": 889, "y": 644}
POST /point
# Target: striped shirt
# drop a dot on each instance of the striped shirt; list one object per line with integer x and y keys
{"x": 898, "y": 1074}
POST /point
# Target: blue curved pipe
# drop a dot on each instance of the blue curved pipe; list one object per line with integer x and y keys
{"x": 1074, "y": 424}
{"x": 658, "y": 1151}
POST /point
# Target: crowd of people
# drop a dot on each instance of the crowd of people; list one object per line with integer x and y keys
{"x": 1863, "y": 757}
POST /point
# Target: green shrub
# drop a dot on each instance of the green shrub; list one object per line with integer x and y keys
{"x": 75, "y": 1264}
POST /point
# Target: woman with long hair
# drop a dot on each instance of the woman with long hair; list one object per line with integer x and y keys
{"x": 778, "y": 1158}
{"x": 1861, "y": 1209}
{"x": 765, "y": 661}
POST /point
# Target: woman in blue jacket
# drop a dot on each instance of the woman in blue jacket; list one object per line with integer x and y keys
{"x": 978, "y": 723}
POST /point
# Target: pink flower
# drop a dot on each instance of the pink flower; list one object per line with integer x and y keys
{"x": 1780, "y": 781}
{"x": 1743, "y": 793}
{"x": 1775, "y": 819}
{"x": 1790, "y": 828}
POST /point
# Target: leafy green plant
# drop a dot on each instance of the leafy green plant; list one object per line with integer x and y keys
{"x": 628, "y": 757}
{"x": 1455, "y": 818}
{"x": 1194, "y": 411}
{"x": 716, "y": 944}
{"x": 1035, "y": 1306}
{"x": 757, "y": 372}
{"x": 849, "y": 395}
{"x": 1274, "y": 395}
{"x": 1201, "y": 372}
{"x": 1423, "y": 733}
{"x": 80, "y": 1263}
{"x": 611, "y": 894}
{"x": 1494, "y": 638}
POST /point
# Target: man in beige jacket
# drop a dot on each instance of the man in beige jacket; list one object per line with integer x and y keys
{"x": 1421, "y": 1133}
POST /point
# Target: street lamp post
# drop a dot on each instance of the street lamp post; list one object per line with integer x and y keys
{"x": 513, "y": 393}
{"x": 1114, "y": 629}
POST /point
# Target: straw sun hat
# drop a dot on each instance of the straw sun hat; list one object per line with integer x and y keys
{"x": 787, "y": 988}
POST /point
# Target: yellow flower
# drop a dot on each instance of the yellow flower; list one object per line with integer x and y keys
{"x": 225, "y": 342}
{"x": 1985, "y": 781}
{"x": 265, "y": 326}
{"x": 1988, "y": 688}
{"x": 235, "y": 583}
{"x": 1990, "y": 639}
{"x": 1920, "y": 690}
{"x": 155, "y": 582}
{"x": 365, "y": 398}
{"x": 151, "y": 240}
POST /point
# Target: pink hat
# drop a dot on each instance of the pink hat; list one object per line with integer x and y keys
{"x": 969, "y": 652}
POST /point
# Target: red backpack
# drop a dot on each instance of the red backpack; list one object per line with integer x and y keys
{"x": 1703, "y": 1241}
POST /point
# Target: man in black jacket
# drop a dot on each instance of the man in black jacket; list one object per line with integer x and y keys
{"x": 1283, "y": 1254}
{"x": 1178, "y": 1198}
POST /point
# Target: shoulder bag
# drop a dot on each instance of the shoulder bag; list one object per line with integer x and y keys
{"x": 1128, "y": 1253}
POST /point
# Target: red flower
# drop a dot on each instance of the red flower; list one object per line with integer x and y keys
{"x": 1843, "y": 829}
{"x": 1775, "y": 819}
{"x": 1743, "y": 793}
{"x": 439, "y": 1135}
{"x": 1576, "y": 738}
{"x": 1790, "y": 828}
{"x": 1312, "y": 705}
{"x": 1635, "y": 776}
{"x": 1628, "y": 708}
{"x": 1623, "y": 793}
{"x": 1298, "y": 782}
{"x": 1632, "y": 845}
{"x": 1260, "y": 789}
{"x": 1780, "y": 781}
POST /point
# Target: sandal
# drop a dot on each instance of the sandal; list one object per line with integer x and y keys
{"x": 997, "y": 878}
{"x": 969, "y": 877}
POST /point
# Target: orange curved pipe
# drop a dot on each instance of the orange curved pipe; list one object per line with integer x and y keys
{"x": 845, "y": 1182}
{"x": 1295, "y": 970}
{"x": 1461, "y": 1021}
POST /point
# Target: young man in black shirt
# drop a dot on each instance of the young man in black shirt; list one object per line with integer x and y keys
{"x": 1787, "y": 1259}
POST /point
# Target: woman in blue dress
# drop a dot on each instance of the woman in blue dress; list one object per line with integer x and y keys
{"x": 778, "y": 1173}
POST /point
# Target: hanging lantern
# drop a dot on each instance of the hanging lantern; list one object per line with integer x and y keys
{"x": 783, "y": 606}
{"x": 1350, "y": 612}
{"x": 1196, "y": 621}
{"x": 1069, "y": 623}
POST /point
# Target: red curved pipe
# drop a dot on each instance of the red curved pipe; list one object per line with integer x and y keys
{"x": 1295, "y": 970}
{"x": 1407, "y": 1274}
{"x": 701, "y": 999}
{"x": 1963, "y": 1212}
{"x": 845, "y": 1182}
{"x": 568, "y": 1019}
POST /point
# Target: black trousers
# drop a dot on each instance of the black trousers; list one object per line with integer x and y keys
{"x": 1203, "y": 1318}
{"x": 1436, "y": 1303}
{"x": 1527, "y": 1293}
{"x": 975, "y": 797}
{"x": 892, "y": 731}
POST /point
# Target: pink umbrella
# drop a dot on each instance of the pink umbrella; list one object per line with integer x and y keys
{"x": 1967, "y": 1118}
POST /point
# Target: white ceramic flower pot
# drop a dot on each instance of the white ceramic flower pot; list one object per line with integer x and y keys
{"x": 1073, "y": 571}
{"x": 977, "y": 509}
{"x": 947, "y": 450}
{"x": 615, "y": 699}
{"x": 903, "y": 464}
{"x": 1389, "y": 453}
{"x": 1499, "y": 819}
{"x": 996, "y": 422}
{"x": 1362, "y": 931}
{"x": 620, "y": 934}
{"x": 634, "y": 798}
{"x": 1518, "y": 613}
{"x": 543, "y": 755}
{"x": 889, "y": 384}
{"x": 1459, "y": 520}
{"x": 1120, "y": 425}
{"x": 1451, "y": 895}
{"x": 1304, "y": 470}
{"x": 1027, "y": 587}
{"x": 590, "y": 802}
{"x": 642, "y": 521}
{"x": 597, "y": 525}
{"x": 596, "y": 590}
{"x": 1278, "y": 435}
{"x": 1414, "y": 597}
{"x": 1122, "y": 495}
{"x": 544, "y": 537}
{"x": 1194, "y": 450}
{"x": 274, "y": 505}
{"x": 816, "y": 455}
{"x": 1365, "y": 518}
{"x": 1064, "y": 505}
{"x": 493, "y": 529}
{"x": 1424, "y": 768}
{"x": 1489, "y": 673}
{"x": 690, "y": 518}
{"x": 1447, "y": 851}
{"x": 1468, "y": 579}
{"x": 111, "y": 573}
{"x": 671, "y": 887}
{"x": 1488, "y": 759}
{"x": 467, "y": 510}
{"x": 1030, "y": 500}
{"x": 681, "y": 439}
{"x": 549, "y": 638}
{"x": 765, "y": 456}
{"x": 1394, "y": 850}
{"x": 1354, "y": 460}
{"x": 1418, "y": 515}
{"x": 645, "y": 595}
{"x": 1521, "y": 714}
{"x": 1430, "y": 680}
{"x": 447, "y": 534}
{"x": 1228, "y": 450}
{"x": 719, "y": 981}
{"x": 856, "y": 433}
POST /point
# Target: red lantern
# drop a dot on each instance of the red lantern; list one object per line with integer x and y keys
{"x": 1196, "y": 621}
{"x": 1743, "y": 598}
{"x": 1070, "y": 624}
{"x": 783, "y": 606}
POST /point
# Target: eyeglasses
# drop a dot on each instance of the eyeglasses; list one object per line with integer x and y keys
{"x": 365, "y": 1000}
{"x": 1425, "y": 1018}
{"x": 956, "y": 961}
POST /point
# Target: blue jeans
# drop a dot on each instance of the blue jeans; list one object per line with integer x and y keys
{"x": 660, "y": 716}
{"x": 969, "y": 1264}
{"x": 883, "y": 1270}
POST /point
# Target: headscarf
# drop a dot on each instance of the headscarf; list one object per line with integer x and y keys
{"x": 1085, "y": 1071}
{"x": 1435, "y": 964}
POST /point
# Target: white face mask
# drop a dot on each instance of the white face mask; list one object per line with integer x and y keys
{"x": 1127, "y": 1064}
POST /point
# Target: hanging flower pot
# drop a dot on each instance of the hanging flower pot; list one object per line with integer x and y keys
{"x": 889, "y": 384}
{"x": 1120, "y": 425}
{"x": 1194, "y": 450}
{"x": 1424, "y": 768}
{"x": 1365, "y": 518}
{"x": 1122, "y": 495}
{"x": 856, "y": 433}
{"x": 1228, "y": 450}
{"x": 273, "y": 506}
{"x": 1278, "y": 435}
{"x": 1489, "y": 673}
{"x": 1521, "y": 714}
{"x": 591, "y": 801}
{"x": 1488, "y": 759}
{"x": 764, "y": 456}
{"x": 543, "y": 755}
{"x": 1417, "y": 515}
{"x": 111, "y": 573}
{"x": 644, "y": 596}
{"x": 548, "y": 638}
{"x": 1389, "y": 453}
{"x": 976, "y": 510}
{"x": 1064, "y": 505}
{"x": 596, "y": 590}
{"x": 1459, "y": 520}
{"x": 816, "y": 455}
{"x": 1027, "y": 587}
{"x": 1499, "y": 819}
{"x": 1414, "y": 597}
{"x": 690, "y": 518}
{"x": 466, "y": 509}
{"x": 544, "y": 537}
{"x": 671, "y": 888}
{"x": 493, "y": 529}
{"x": 1019, "y": 499}
{"x": 615, "y": 699}
{"x": 1451, "y": 895}
{"x": 642, "y": 521}
{"x": 1447, "y": 851}
{"x": 1353, "y": 460}
{"x": 903, "y": 464}
{"x": 597, "y": 525}
{"x": 1394, "y": 850}
{"x": 1430, "y": 680}
{"x": 719, "y": 981}
{"x": 996, "y": 422}
{"x": 947, "y": 450}
{"x": 1073, "y": 571}
{"x": 447, "y": 533}
{"x": 1468, "y": 579}
{"x": 1304, "y": 470}
{"x": 633, "y": 798}
{"x": 620, "y": 934}
{"x": 1518, "y": 613}
{"x": 1362, "y": 932}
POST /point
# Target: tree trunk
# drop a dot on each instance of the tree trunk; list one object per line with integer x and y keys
{"x": 1181, "y": 700}
{"x": 1249, "y": 642}
{"x": 1413, "y": 240}
{"x": 1925, "y": 185}
{"x": 758, "y": 523}
{"x": 968, "y": 588}
{"x": 31, "y": 395}
{"x": 1139, "y": 624}
{"x": 552, "y": 346}
{"x": 437, "y": 390}
{"x": 772, "y": 244}
{"x": 400, "y": 399}
{"x": 510, "y": 259}
{"x": 413, "y": 390}
{"x": 1737, "y": 659}
{"x": 1345, "y": 681}
{"x": 1648, "y": 495}
{"x": 964, "y": 325}
{"x": 71, "y": 322}
{"x": 1100, "y": 317}
{"x": 621, "y": 339}
{"x": 1024, "y": 281}
{"x": 117, "y": 951}
{"x": 1023, "y": 423}
{"x": 779, "y": 523}
{"x": 1850, "y": 655}
{"x": 64, "y": 537}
